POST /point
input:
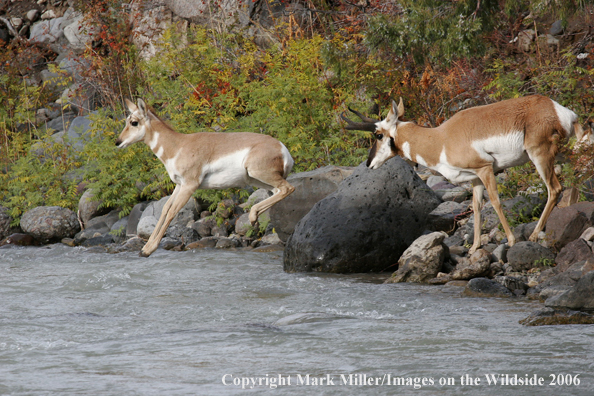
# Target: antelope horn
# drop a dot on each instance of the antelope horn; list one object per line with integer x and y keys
{"x": 368, "y": 124}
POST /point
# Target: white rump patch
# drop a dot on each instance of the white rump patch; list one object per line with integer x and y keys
{"x": 566, "y": 117}
{"x": 503, "y": 151}
{"x": 287, "y": 161}
{"x": 226, "y": 172}
{"x": 406, "y": 150}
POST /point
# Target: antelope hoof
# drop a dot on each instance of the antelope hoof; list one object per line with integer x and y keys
{"x": 472, "y": 249}
{"x": 143, "y": 254}
{"x": 533, "y": 237}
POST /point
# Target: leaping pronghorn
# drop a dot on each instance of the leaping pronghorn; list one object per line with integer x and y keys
{"x": 478, "y": 142}
{"x": 215, "y": 160}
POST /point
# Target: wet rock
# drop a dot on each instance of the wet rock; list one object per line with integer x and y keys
{"x": 365, "y": 225}
{"x": 228, "y": 243}
{"x": 68, "y": 242}
{"x": 477, "y": 265}
{"x": 422, "y": 261}
{"x": 208, "y": 242}
{"x": 573, "y": 252}
{"x": 310, "y": 187}
{"x": 516, "y": 285}
{"x": 565, "y": 225}
{"x": 269, "y": 248}
{"x": 168, "y": 243}
{"x": 551, "y": 317}
{"x": 484, "y": 287}
{"x": 133, "y": 244}
{"x": 18, "y": 239}
{"x": 526, "y": 255}
{"x": 579, "y": 297}
{"x": 102, "y": 240}
{"x": 50, "y": 223}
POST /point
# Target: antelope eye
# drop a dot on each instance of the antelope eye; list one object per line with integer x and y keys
{"x": 379, "y": 136}
{"x": 134, "y": 123}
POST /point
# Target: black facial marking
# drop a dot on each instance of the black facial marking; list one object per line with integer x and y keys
{"x": 372, "y": 153}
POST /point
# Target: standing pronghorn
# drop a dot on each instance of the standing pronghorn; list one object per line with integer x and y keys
{"x": 477, "y": 143}
{"x": 208, "y": 160}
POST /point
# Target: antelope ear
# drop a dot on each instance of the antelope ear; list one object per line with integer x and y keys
{"x": 400, "y": 108}
{"x": 142, "y": 108}
{"x": 131, "y": 106}
{"x": 392, "y": 116}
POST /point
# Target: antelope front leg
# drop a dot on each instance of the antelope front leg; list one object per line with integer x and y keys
{"x": 178, "y": 199}
{"x": 281, "y": 192}
{"x": 477, "y": 204}
{"x": 488, "y": 178}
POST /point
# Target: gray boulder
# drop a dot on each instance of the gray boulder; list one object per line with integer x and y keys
{"x": 526, "y": 255}
{"x": 310, "y": 187}
{"x": 552, "y": 317}
{"x": 580, "y": 296}
{"x": 50, "y": 223}
{"x": 484, "y": 287}
{"x": 134, "y": 218}
{"x": 443, "y": 218}
{"x": 477, "y": 265}
{"x": 574, "y": 252}
{"x": 422, "y": 261}
{"x": 88, "y": 207}
{"x": 565, "y": 225}
{"x": 366, "y": 225}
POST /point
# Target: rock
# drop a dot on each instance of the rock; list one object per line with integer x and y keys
{"x": 477, "y": 265}
{"x": 243, "y": 225}
{"x": 526, "y": 255}
{"x": 134, "y": 218}
{"x": 310, "y": 187}
{"x": 271, "y": 239}
{"x": 208, "y": 242}
{"x": 564, "y": 225}
{"x": 102, "y": 240}
{"x": 33, "y": 15}
{"x": 573, "y": 252}
{"x": 146, "y": 226}
{"x": 61, "y": 123}
{"x": 168, "y": 243}
{"x": 484, "y": 287}
{"x": 525, "y": 39}
{"x": 422, "y": 261}
{"x": 587, "y": 235}
{"x": 523, "y": 231}
{"x": 227, "y": 243}
{"x": 520, "y": 207}
{"x": 556, "y": 28}
{"x": 80, "y": 34}
{"x": 204, "y": 226}
{"x": 257, "y": 196}
{"x": 513, "y": 284}
{"x": 433, "y": 180}
{"x": 119, "y": 227}
{"x": 500, "y": 253}
{"x": 48, "y": 31}
{"x": 190, "y": 235}
{"x": 88, "y": 207}
{"x": 50, "y": 223}
{"x": 133, "y": 244}
{"x": 186, "y": 216}
{"x": 365, "y": 225}
{"x": 561, "y": 282}
{"x": 587, "y": 209}
{"x": 456, "y": 194}
{"x": 18, "y": 239}
{"x": 269, "y": 248}
{"x": 5, "y": 228}
{"x": 550, "y": 317}
{"x": 443, "y": 218}
{"x": 219, "y": 230}
{"x": 579, "y": 297}
{"x": 225, "y": 208}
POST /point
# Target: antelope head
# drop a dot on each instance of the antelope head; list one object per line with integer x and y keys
{"x": 136, "y": 124}
{"x": 385, "y": 132}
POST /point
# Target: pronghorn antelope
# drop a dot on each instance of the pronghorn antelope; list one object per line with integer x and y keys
{"x": 479, "y": 142}
{"x": 208, "y": 160}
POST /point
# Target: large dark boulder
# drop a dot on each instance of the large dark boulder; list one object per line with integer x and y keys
{"x": 310, "y": 187}
{"x": 565, "y": 225}
{"x": 365, "y": 225}
{"x": 525, "y": 255}
{"x": 580, "y": 296}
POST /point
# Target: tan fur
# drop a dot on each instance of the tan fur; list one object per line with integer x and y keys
{"x": 533, "y": 119}
{"x": 189, "y": 159}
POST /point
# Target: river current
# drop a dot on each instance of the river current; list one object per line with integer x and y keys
{"x": 212, "y": 322}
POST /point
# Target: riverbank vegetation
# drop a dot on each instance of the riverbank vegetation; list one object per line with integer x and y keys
{"x": 439, "y": 56}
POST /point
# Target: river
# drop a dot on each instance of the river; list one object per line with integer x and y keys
{"x": 212, "y": 322}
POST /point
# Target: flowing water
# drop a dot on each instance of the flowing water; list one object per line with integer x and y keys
{"x": 212, "y": 322}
